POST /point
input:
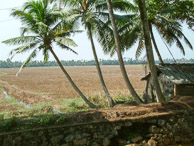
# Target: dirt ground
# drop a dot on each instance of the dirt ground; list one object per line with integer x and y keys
{"x": 131, "y": 111}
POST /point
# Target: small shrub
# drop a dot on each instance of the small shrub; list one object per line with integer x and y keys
{"x": 8, "y": 124}
{"x": 122, "y": 98}
{"x": 45, "y": 120}
{"x": 61, "y": 119}
{"x": 99, "y": 100}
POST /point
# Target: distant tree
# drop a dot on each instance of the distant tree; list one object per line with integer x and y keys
{"x": 45, "y": 28}
{"x": 129, "y": 61}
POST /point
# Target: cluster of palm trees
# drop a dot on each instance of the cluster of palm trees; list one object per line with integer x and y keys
{"x": 48, "y": 22}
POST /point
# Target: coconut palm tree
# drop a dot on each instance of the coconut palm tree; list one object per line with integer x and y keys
{"x": 170, "y": 31}
{"x": 149, "y": 51}
{"x": 168, "y": 26}
{"x": 130, "y": 31}
{"x": 118, "y": 50}
{"x": 86, "y": 12}
{"x": 41, "y": 29}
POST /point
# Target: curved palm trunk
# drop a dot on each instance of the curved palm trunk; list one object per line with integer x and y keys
{"x": 118, "y": 46}
{"x": 71, "y": 81}
{"x": 155, "y": 45}
{"x": 110, "y": 100}
{"x": 149, "y": 50}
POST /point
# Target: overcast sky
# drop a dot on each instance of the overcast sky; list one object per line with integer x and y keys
{"x": 10, "y": 27}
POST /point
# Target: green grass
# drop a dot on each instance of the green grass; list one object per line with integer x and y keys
{"x": 42, "y": 114}
{"x": 13, "y": 101}
{"x": 72, "y": 105}
{"x": 65, "y": 105}
{"x": 39, "y": 109}
{"x": 78, "y": 104}
{"x": 122, "y": 98}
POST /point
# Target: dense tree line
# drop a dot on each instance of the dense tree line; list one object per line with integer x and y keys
{"x": 128, "y": 61}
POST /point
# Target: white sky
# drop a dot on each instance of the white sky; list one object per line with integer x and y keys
{"x": 11, "y": 28}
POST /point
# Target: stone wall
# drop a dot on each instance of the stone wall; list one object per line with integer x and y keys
{"x": 163, "y": 130}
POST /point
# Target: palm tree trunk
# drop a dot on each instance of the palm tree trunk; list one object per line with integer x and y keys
{"x": 150, "y": 56}
{"x": 155, "y": 45}
{"x": 118, "y": 47}
{"x": 71, "y": 81}
{"x": 60, "y": 1}
{"x": 110, "y": 100}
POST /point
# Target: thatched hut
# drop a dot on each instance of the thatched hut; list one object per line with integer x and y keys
{"x": 174, "y": 79}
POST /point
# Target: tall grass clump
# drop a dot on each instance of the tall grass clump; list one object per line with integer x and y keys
{"x": 72, "y": 105}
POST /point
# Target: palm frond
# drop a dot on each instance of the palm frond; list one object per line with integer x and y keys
{"x": 118, "y": 5}
{"x": 32, "y": 55}
{"x": 23, "y": 49}
{"x": 179, "y": 45}
{"x": 118, "y": 17}
{"x": 41, "y": 24}
{"x": 66, "y": 47}
{"x": 65, "y": 33}
{"x": 26, "y": 19}
{"x": 172, "y": 33}
{"x": 130, "y": 36}
{"x": 139, "y": 49}
{"x": 181, "y": 35}
{"x": 20, "y": 40}
{"x": 65, "y": 41}
{"x": 72, "y": 3}
{"x": 26, "y": 30}
{"x": 104, "y": 35}
{"x": 187, "y": 42}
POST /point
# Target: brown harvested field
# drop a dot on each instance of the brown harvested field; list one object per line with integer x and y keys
{"x": 49, "y": 84}
{"x": 7, "y": 105}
